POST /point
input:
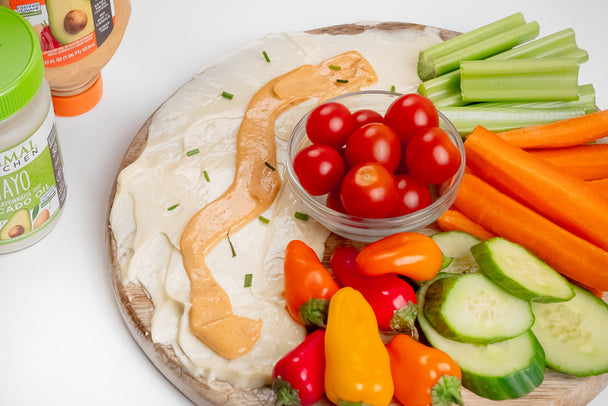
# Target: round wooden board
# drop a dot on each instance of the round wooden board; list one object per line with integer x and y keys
{"x": 137, "y": 309}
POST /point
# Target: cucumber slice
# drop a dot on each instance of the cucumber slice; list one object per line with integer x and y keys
{"x": 457, "y": 245}
{"x": 473, "y": 309}
{"x": 518, "y": 271}
{"x": 574, "y": 334}
{"x": 508, "y": 369}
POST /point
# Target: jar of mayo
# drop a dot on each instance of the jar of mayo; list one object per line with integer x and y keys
{"x": 32, "y": 185}
{"x": 78, "y": 38}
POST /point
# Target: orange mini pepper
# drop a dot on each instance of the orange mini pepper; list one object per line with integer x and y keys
{"x": 357, "y": 365}
{"x": 307, "y": 282}
{"x": 410, "y": 254}
{"x": 423, "y": 375}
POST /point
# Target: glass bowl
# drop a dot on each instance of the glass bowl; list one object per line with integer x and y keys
{"x": 371, "y": 229}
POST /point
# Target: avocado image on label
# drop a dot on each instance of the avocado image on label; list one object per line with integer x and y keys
{"x": 17, "y": 225}
{"x": 70, "y": 20}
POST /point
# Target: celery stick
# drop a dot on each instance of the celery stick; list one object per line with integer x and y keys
{"x": 466, "y": 118}
{"x": 480, "y": 43}
{"x": 557, "y": 45}
{"x": 519, "y": 79}
{"x": 445, "y": 89}
{"x": 586, "y": 101}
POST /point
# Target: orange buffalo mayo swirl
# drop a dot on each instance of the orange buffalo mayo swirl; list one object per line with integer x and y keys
{"x": 252, "y": 191}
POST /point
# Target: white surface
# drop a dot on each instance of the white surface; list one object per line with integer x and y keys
{"x": 62, "y": 339}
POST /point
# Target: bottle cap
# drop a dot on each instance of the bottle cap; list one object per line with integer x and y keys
{"x": 22, "y": 67}
{"x": 69, "y": 106}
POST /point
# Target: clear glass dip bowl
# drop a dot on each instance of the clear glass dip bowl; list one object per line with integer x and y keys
{"x": 371, "y": 229}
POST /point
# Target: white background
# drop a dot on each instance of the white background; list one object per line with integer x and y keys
{"x": 62, "y": 339}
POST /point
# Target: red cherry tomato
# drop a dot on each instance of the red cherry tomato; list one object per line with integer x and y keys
{"x": 413, "y": 195}
{"x": 333, "y": 201}
{"x": 368, "y": 190}
{"x": 319, "y": 169}
{"x": 374, "y": 142}
{"x": 431, "y": 157}
{"x": 366, "y": 116}
{"x": 330, "y": 124}
{"x": 409, "y": 114}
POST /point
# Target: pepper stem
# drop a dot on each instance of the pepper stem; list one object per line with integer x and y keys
{"x": 447, "y": 391}
{"x": 349, "y": 403}
{"x": 404, "y": 319}
{"x": 314, "y": 312}
{"x": 286, "y": 394}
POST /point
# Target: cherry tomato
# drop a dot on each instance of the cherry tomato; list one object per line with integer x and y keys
{"x": 431, "y": 157}
{"x": 319, "y": 169}
{"x": 374, "y": 142}
{"x": 330, "y": 124}
{"x": 333, "y": 201}
{"x": 368, "y": 190}
{"x": 409, "y": 114}
{"x": 413, "y": 195}
{"x": 366, "y": 116}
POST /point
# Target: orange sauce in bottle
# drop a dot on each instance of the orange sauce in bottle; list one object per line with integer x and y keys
{"x": 78, "y": 38}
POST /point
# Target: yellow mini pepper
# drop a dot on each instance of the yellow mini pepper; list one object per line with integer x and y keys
{"x": 357, "y": 365}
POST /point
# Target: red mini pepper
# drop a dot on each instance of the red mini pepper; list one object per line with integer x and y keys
{"x": 298, "y": 377}
{"x": 423, "y": 375}
{"x": 411, "y": 254}
{"x": 308, "y": 284}
{"x": 392, "y": 299}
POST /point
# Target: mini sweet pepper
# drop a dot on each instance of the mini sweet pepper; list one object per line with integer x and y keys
{"x": 392, "y": 299}
{"x": 410, "y": 254}
{"x": 423, "y": 375}
{"x": 357, "y": 365}
{"x": 307, "y": 282}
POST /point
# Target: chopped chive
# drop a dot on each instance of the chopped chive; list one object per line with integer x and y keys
{"x": 172, "y": 207}
{"x": 248, "y": 280}
{"x": 206, "y": 175}
{"x": 263, "y": 219}
{"x": 227, "y": 95}
{"x": 231, "y": 246}
{"x": 342, "y": 80}
{"x": 334, "y": 67}
{"x": 392, "y": 88}
{"x": 301, "y": 216}
{"x": 266, "y": 56}
{"x": 270, "y": 166}
{"x": 193, "y": 152}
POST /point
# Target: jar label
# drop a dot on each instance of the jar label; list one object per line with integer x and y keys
{"x": 32, "y": 185}
{"x": 69, "y": 30}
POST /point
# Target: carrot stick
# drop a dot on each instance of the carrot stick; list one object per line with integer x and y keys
{"x": 563, "y": 198}
{"x": 453, "y": 219}
{"x": 600, "y": 186}
{"x": 567, "y": 253}
{"x": 589, "y": 162}
{"x": 595, "y": 291}
{"x": 564, "y": 133}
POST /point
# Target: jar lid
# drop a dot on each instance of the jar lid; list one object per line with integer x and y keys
{"x": 22, "y": 67}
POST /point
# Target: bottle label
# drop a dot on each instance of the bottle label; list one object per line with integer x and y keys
{"x": 68, "y": 30}
{"x": 32, "y": 185}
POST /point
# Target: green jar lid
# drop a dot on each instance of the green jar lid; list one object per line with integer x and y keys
{"x": 22, "y": 67}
